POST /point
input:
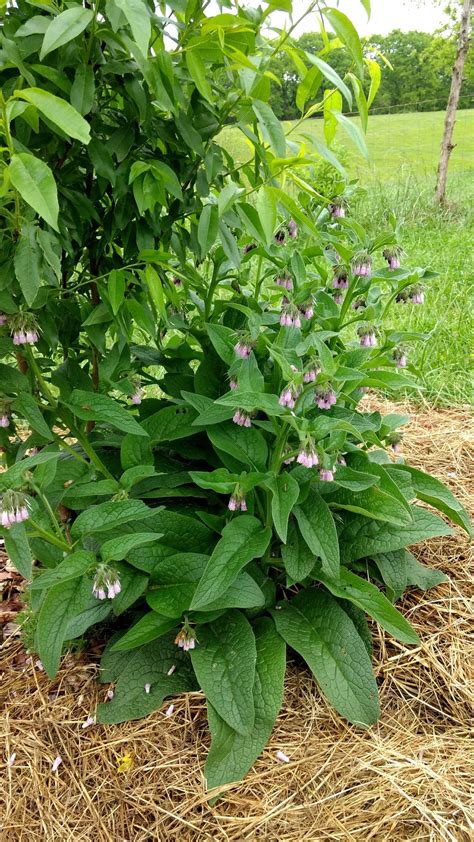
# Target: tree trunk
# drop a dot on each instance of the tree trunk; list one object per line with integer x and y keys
{"x": 453, "y": 101}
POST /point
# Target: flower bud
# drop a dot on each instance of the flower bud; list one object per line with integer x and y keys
{"x": 106, "y": 583}
{"x": 242, "y": 418}
{"x": 186, "y": 639}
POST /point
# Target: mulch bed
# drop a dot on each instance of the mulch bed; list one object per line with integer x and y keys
{"x": 408, "y": 778}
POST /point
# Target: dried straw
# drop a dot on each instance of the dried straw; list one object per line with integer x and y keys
{"x": 408, "y": 778}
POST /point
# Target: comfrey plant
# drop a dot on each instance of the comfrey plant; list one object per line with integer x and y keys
{"x": 190, "y": 473}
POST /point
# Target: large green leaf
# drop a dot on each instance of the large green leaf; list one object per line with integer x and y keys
{"x": 271, "y": 127}
{"x": 317, "y": 627}
{"x": 60, "y": 605}
{"x": 231, "y": 754}
{"x": 63, "y": 28}
{"x": 59, "y": 112}
{"x": 346, "y": 31}
{"x": 297, "y": 557}
{"x": 150, "y": 664}
{"x": 199, "y": 74}
{"x": 368, "y": 597}
{"x": 107, "y": 516}
{"x": 432, "y": 491}
{"x": 207, "y": 228}
{"x": 26, "y": 406}
{"x": 148, "y": 628}
{"x": 171, "y": 423}
{"x": 224, "y": 662}
{"x": 73, "y": 567}
{"x": 83, "y": 89}
{"x": 246, "y": 444}
{"x": 36, "y": 185}
{"x": 243, "y": 539}
{"x": 90, "y": 406}
{"x": 285, "y": 491}
{"x": 361, "y": 537}
{"x": 421, "y": 576}
{"x": 115, "y": 549}
{"x": 138, "y": 18}
{"x": 27, "y": 263}
{"x": 318, "y": 529}
{"x": 18, "y": 549}
{"x": 373, "y": 503}
{"x": 393, "y": 570}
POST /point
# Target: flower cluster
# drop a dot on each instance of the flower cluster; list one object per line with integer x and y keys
{"x": 242, "y": 418}
{"x": 337, "y": 209}
{"x": 292, "y": 229}
{"x": 290, "y": 316}
{"x": 243, "y": 348}
{"x": 289, "y": 396}
{"x": 362, "y": 264}
{"x": 4, "y": 413}
{"x": 307, "y": 455}
{"x": 14, "y": 509}
{"x": 106, "y": 582}
{"x": 393, "y": 257}
{"x": 186, "y": 639}
{"x": 400, "y": 357}
{"x": 367, "y": 336}
{"x": 312, "y": 371}
{"x": 237, "y": 500}
{"x": 138, "y": 392}
{"x": 325, "y": 397}
{"x": 24, "y": 329}
{"x": 341, "y": 278}
{"x": 284, "y": 281}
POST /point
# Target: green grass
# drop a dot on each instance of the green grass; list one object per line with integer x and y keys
{"x": 400, "y": 176}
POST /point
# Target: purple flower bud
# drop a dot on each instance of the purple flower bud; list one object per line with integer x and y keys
{"x": 337, "y": 210}
{"x": 233, "y": 384}
{"x": 242, "y": 349}
{"x": 284, "y": 281}
{"x": 279, "y": 237}
{"x": 106, "y": 583}
{"x": 325, "y": 397}
{"x": 242, "y": 418}
{"x": 292, "y": 228}
{"x": 137, "y": 396}
{"x": 362, "y": 265}
{"x": 326, "y": 475}
{"x": 307, "y": 456}
{"x": 5, "y": 519}
{"x": 287, "y": 398}
{"x": 394, "y": 263}
{"x": 185, "y": 639}
{"x": 400, "y": 358}
{"x": 3, "y": 319}
{"x": 31, "y": 337}
{"x": 341, "y": 461}
{"x": 367, "y": 336}
{"x": 4, "y": 420}
{"x": 177, "y": 281}
{"x": 359, "y": 304}
{"x": 338, "y": 298}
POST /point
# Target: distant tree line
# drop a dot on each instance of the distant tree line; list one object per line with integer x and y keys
{"x": 421, "y": 76}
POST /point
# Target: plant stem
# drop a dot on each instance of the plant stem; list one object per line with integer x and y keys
{"x": 44, "y": 388}
{"x": 47, "y": 536}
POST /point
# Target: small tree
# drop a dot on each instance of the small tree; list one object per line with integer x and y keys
{"x": 453, "y": 101}
{"x": 186, "y": 341}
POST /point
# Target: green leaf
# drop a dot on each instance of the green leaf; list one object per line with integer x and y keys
{"x": 271, "y": 127}
{"x": 58, "y": 111}
{"x": 360, "y": 537}
{"x": 27, "y": 263}
{"x": 170, "y": 424}
{"x": 221, "y": 480}
{"x": 64, "y": 28}
{"x": 116, "y": 289}
{"x": 243, "y": 443}
{"x": 90, "y": 406}
{"x": 224, "y": 662}
{"x": 199, "y": 74}
{"x": 138, "y": 18}
{"x": 297, "y": 557}
{"x": 73, "y": 567}
{"x": 346, "y": 31}
{"x": 318, "y": 628}
{"x": 266, "y": 208}
{"x": 285, "y": 491}
{"x": 148, "y": 628}
{"x": 15, "y": 473}
{"x": 421, "y": 576}
{"x": 148, "y": 664}
{"x": 393, "y": 570}
{"x": 252, "y": 400}
{"x": 231, "y": 754}
{"x": 354, "y": 480}
{"x": 319, "y": 531}
{"x": 83, "y": 89}
{"x": 107, "y": 516}
{"x": 229, "y": 244}
{"x": 375, "y": 74}
{"x": 26, "y": 406}
{"x": 18, "y": 549}
{"x": 133, "y": 584}
{"x": 368, "y": 597}
{"x": 432, "y": 491}
{"x": 353, "y": 131}
{"x": 36, "y": 185}
{"x": 373, "y": 503}
{"x": 116, "y": 549}
{"x": 63, "y": 602}
{"x": 207, "y": 228}
{"x": 223, "y": 340}
{"x": 332, "y": 76}
{"x": 307, "y": 87}
{"x": 243, "y": 539}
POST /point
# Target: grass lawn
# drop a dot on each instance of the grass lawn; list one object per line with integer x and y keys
{"x": 400, "y": 176}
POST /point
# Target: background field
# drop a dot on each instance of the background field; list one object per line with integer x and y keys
{"x": 400, "y": 176}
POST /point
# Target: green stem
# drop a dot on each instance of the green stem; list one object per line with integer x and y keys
{"x": 89, "y": 450}
{"x": 47, "y": 536}
{"x": 48, "y": 508}
{"x": 44, "y": 388}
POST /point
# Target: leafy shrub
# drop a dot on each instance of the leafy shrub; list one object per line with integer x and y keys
{"x": 188, "y": 342}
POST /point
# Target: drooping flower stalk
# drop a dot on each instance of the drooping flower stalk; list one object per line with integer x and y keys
{"x": 341, "y": 277}
{"x": 24, "y": 329}
{"x": 14, "y": 509}
{"x": 237, "y": 501}
{"x": 400, "y": 357}
{"x": 307, "y": 455}
{"x": 242, "y": 418}
{"x": 367, "y": 336}
{"x": 362, "y": 264}
{"x": 393, "y": 257}
{"x": 292, "y": 229}
{"x": 284, "y": 280}
{"x": 312, "y": 371}
{"x": 186, "y": 639}
{"x": 325, "y": 397}
{"x": 416, "y": 294}
{"x": 106, "y": 582}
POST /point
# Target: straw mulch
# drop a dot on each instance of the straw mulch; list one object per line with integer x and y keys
{"x": 408, "y": 778}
